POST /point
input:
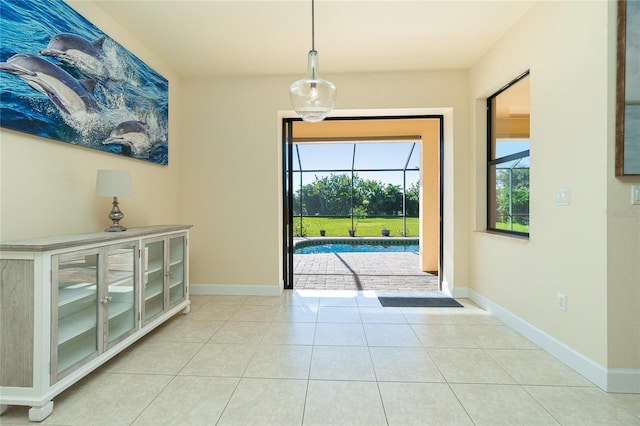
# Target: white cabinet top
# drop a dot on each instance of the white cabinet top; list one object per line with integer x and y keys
{"x": 64, "y": 241}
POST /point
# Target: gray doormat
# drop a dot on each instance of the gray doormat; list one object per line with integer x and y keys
{"x": 420, "y": 302}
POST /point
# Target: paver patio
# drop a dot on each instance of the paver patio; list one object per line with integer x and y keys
{"x": 362, "y": 271}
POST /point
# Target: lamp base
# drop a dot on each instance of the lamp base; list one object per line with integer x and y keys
{"x": 115, "y": 228}
{"x": 116, "y": 216}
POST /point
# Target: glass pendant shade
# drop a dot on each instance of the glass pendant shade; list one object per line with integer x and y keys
{"x": 312, "y": 97}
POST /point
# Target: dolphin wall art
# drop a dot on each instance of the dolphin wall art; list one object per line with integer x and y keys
{"x": 132, "y": 134}
{"x": 62, "y": 78}
{"x": 68, "y": 94}
{"x": 72, "y": 49}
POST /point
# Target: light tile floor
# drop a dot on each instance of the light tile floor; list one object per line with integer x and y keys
{"x": 330, "y": 358}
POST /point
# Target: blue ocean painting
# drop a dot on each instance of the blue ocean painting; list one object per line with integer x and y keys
{"x": 632, "y": 91}
{"x": 632, "y": 60}
{"x": 632, "y": 140}
{"x": 62, "y": 78}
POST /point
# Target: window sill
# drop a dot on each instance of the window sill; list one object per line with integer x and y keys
{"x": 515, "y": 237}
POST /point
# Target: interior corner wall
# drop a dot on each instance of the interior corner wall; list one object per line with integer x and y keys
{"x": 48, "y": 187}
{"x": 565, "y": 46}
{"x": 232, "y": 183}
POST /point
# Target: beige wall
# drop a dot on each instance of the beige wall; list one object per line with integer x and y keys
{"x": 232, "y": 182}
{"x": 578, "y": 250}
{"x": 48, "y": 187}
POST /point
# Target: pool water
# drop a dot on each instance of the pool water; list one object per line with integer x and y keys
{"x": 358, "y": 248}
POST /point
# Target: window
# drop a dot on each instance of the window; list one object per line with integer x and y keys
{"x": 508, "y": 158}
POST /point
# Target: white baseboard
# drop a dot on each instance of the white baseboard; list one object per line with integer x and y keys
{"x": 234, "y": 290}
{"x": 623, "y": 380}
{"x": 461, "y": 292}
{"x": 610, "y": 380}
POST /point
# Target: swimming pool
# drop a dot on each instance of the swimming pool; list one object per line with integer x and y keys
{"x": 360, "y": 246}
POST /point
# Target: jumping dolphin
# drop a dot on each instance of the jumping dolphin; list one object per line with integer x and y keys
{"x": 130, "y": 133}
{"x": 68, "y": 94}
{"x": 86, "y": 56}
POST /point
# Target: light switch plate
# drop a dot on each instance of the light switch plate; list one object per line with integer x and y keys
{"x": 562, "y": 197}
{"x": 635, "y": 194}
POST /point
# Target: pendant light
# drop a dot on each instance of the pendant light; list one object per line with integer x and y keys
{"x": 312, "y": 97}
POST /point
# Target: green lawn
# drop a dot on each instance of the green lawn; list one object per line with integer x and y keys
{"x": 367, "y": 227}
{"x": 516, "y": 227}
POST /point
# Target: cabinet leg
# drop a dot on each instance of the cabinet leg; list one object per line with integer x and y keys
{"x": 38, "y": 414}
{"x": 186, "y": 310}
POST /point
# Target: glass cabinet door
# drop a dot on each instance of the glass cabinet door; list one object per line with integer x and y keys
{"x": 74, "y": 310}
{"x": 153, "y": 278}
{"x": 119, "y": 297}
{"x": 176, "y": 269}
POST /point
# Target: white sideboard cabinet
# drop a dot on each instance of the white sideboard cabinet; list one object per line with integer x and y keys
{"x": 70, "y": 303}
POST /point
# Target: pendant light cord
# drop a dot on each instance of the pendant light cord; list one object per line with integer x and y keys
{"x": 313, "y": 42}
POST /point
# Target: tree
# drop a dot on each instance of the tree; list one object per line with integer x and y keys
{"x": 512, "y": 195}
{"x": 327, "y": 196}
{"x": 332, "y": 195}
{"x": 392, "y": 204}
{"x": 413, "y": 200}
{"x": 372, "y": 194}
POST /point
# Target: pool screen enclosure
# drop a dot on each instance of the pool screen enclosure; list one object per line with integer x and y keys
{"x": 361, "y": 186}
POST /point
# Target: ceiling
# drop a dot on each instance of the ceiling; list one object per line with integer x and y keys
{"x": 204, "y": 38}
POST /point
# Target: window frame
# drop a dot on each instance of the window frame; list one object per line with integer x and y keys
{"x": 493, "y": 162}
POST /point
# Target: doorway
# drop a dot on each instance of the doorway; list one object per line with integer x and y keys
{"x": 427, "y": 129}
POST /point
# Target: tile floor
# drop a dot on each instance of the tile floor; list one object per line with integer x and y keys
{"x": 330, "y": 358}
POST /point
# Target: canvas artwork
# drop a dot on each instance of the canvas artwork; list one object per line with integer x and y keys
{"x": 628, "y": 108}
{"x": 62, "y": 78}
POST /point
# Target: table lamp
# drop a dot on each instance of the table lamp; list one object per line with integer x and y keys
{"x": 114, "y": 183}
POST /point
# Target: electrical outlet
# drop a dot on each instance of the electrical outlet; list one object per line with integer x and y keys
{"x": 562, "y": 302}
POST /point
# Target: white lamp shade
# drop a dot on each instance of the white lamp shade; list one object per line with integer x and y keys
{"x": 114, "y": 183}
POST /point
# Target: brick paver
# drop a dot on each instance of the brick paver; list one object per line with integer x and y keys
{"x": 362, "y": 271}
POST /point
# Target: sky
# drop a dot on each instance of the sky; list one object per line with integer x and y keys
{"x": 327, "y": 156}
